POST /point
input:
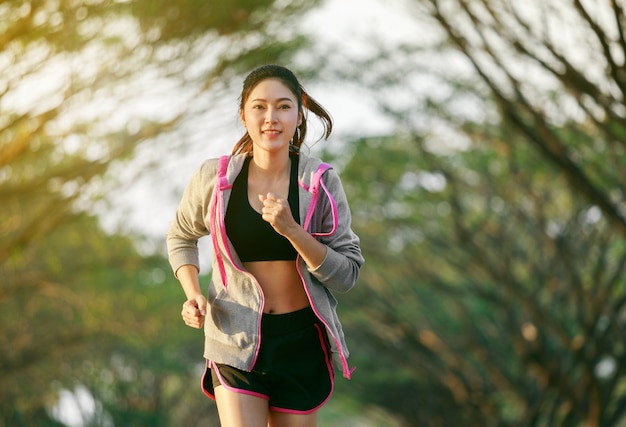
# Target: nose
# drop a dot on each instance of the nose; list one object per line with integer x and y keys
{"x": 270, "y": 115}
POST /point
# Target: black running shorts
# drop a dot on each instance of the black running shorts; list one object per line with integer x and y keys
{"x": 293, "y": 370}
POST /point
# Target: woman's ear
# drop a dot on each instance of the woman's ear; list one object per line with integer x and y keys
{"x": 243, "y": 120}
{"x": 300, "y": 117}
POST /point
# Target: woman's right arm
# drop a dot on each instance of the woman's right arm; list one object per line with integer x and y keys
{"x": 194, "y": 309}
{"x": 190, "y": 222}
{"x": 188, "y": 226}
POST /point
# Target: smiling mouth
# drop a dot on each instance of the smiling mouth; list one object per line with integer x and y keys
{"x": 271, "y": 131}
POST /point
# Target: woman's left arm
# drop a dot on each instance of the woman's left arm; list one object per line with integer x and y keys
{"x": 336, "y": 260}
{"x": 277, "y": 212}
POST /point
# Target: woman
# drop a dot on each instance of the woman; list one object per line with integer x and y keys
{"x": 280, "y": 227}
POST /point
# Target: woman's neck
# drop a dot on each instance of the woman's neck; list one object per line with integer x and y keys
{"x": 270, "y": 167}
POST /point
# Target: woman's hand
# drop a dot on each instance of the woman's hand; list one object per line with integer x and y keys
{"x": 194, "y": 311}
{"x": 277, "y": 212}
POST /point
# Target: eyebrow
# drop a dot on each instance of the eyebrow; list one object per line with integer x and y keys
{"x": 278, "y": 100}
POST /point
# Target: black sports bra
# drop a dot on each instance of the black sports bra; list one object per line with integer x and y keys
{"x": 254, "y": 238}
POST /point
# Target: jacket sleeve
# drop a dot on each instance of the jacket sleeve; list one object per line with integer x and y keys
{"x": 191, "y": 221}
{"x": 339, "y": 270}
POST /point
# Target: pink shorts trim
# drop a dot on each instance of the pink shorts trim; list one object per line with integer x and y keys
{"x": 213, "y": 366}
{"x": 261, "y": 395}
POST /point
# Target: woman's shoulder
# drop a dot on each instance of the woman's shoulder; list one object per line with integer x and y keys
{"x": 211, "y": 165}
{"x": 312, "y": 170}
{"x": 207, "y": 169}
{"x": 310, "y": 164}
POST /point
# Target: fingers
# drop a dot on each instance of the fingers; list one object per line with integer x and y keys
{"x": 270, "y": 198}
{"x": 193, "y": 312}
{"x": 277, "y": 213}
{"x": 273, "y": 208}
{"x": 272, "y": 201}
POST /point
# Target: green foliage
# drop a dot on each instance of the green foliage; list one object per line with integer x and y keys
{"x": 492, "y": 294}
{"x": 85, "y": 301}
{"x": 92, "y": 313}
{"x": 493, "y": 219}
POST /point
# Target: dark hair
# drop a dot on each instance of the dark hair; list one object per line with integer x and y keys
{"x": 244, "y": 145}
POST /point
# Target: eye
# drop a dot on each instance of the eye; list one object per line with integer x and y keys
{"x": 284, "y": 107}
{"x": 257, "y": 107}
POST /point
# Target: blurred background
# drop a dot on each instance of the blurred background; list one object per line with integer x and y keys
{"x": 482, "y": 145}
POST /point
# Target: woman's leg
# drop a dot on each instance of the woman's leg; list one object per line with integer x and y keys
{"x": 240, "y": 410}
{"x": 282, "y": 419}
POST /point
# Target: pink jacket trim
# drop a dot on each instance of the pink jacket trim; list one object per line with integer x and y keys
{"x": 217, "y": 210}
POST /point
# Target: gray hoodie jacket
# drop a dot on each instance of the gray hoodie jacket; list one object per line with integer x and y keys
{"x": 235, "y": 300}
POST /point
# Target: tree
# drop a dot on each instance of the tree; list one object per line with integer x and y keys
{"x": 542, "y": 81}
{"x": 83, "y": 84}
{"x": 79, "y": 80}
{"x": 493, "y": 220}
{"x": 542, "y": 66}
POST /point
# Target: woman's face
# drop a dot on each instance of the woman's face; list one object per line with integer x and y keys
{"x": 271, "y": 115}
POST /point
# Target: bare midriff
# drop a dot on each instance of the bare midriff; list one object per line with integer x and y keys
{"x": 281, "y": 285}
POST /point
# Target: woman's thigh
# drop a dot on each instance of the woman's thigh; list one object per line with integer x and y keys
{"x": 240, "y": 410}
{"x": 282, "y": 419}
